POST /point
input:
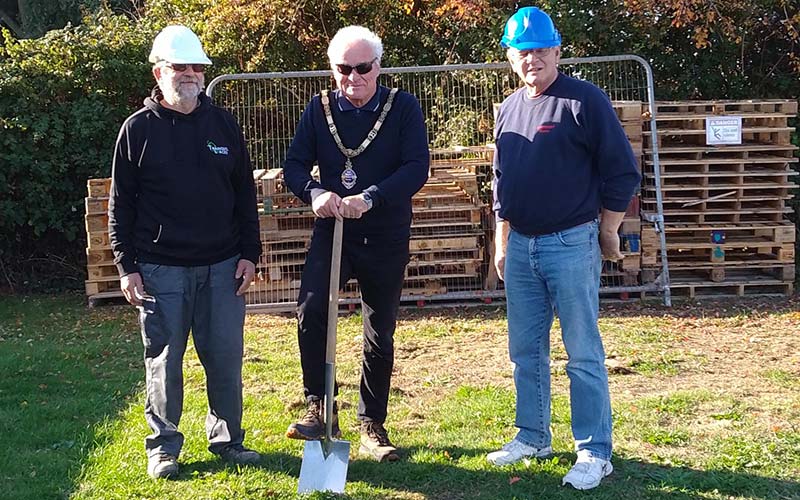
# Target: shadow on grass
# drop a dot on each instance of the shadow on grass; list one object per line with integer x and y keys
{"x": 631, "y": 479}
{"x": 66, "y": 370}
{"x": 274, "y": 462}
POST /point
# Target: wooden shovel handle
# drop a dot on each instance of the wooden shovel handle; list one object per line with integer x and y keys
{"x": 333, "y": 292}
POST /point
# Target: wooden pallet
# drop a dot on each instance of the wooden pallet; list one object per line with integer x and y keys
{"x": 612, "y": 277}
{"x": 718, "y": 201}
{"x": 713, "y": 198}
{"x": 722, "y": 273}
{"x": 766, "y": 211}
{"x": 98, "y": 240}
{"x": 752, "y": 180}
{"x": 97, "y": 257}
{"x": 443, "y": 268}
{"x": 739, "y": 286}
{"x": 448, "y": 255}
{"x": 687, "y": 121}
{"x": 720, "y": 257}
{"x": 628, "y": 111}
{"x": 724, "y": 235}
{"x": 750, "y": 235}
{"x": 98, "y": 188}
{"x": 761, "y": 135}
{"x": 739, "y": 151}
{"x": 727, "y": 106}
{"x": 464, "y": 242}
{"x": 96, "y": 223}
{"x": 684, "y": 123}
{"x": 97, "y": 287}
{"x": 301, "y": 220}
{"x": 102, "y": 272}
{"x": 96, "y": 205}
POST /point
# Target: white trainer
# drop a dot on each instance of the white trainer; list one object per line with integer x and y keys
{"x": 587, "y": 472}
{"x": 514, "y": 451}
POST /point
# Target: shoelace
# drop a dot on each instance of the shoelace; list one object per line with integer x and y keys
{"x": 589, "y": 468}
{"x": 376, "y": 431}
{"x": 513, "y": 446}
{"x": 314, "y": 412}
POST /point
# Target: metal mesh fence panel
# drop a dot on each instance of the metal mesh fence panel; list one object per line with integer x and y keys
{"x": 452, "y": 228}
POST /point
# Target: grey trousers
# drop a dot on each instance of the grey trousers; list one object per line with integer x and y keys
{"x": 201, "y": 299}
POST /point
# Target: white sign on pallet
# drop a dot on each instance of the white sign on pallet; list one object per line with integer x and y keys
{"x": 723, "y": 130}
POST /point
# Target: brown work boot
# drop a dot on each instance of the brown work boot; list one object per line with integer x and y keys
{"x": 310, "y": 426}
{"x": 375, "y": 443}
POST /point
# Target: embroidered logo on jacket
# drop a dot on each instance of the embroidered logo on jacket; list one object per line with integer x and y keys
{"x": 217, "y": 150}
{"x": 545, "y": 128}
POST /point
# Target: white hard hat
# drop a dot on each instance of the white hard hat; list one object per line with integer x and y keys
{"x": 178, "y": 44}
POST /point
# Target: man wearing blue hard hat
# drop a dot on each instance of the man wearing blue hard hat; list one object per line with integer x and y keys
{"x": 562, "y": 160}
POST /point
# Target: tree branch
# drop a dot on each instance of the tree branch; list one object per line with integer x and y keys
{"x": 12, "y": 25}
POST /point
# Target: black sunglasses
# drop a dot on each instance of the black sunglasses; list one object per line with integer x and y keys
{"x": 180, "y": 68}
{"x": 361, "y": 69}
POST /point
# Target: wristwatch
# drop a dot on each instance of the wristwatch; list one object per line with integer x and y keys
{"x": 367, "y": 199}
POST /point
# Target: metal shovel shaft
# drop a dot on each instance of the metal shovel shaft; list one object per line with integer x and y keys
{"x": 330, "y": 378}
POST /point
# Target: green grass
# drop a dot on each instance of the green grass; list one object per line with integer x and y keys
{"x": 71, "y": 408}
{"x": 66, "y": 375}
{"x": 783, "y": 378}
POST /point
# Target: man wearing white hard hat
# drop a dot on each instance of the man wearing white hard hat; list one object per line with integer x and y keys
{"x": 562, "y": 159}
{"x": 184, "y": 231}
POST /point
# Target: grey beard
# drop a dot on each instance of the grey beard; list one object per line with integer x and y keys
{"x": 180, "y": 95}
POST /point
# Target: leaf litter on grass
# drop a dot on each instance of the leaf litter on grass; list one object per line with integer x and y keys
{"x": 727, "y": 400}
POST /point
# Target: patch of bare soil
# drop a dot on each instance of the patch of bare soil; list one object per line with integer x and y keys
{"x": 736, "y": 348}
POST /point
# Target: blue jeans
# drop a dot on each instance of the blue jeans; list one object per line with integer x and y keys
{"x": 544, "y": 274}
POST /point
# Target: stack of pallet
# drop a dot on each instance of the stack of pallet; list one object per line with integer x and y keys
{"x": 286, "y": 224}
{"x": 446, "y": 243}
{"x": 103, "y": 280}
{"x": 724, "y": 206}
{"x": 626, "y": 272}
{"x": 448, "y": 236}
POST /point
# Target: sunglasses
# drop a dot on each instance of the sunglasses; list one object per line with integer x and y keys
{"x": 361, "y": 69}
{"x": 180, "y": 68}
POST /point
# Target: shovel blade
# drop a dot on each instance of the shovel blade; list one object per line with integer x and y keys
{"x": 324, "y": 473}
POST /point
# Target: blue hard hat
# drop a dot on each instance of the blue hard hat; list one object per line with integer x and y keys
{"x": 530, "y": 28}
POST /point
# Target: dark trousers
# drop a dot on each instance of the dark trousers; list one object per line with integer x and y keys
{"x": 379, "y": 268}
{"x": 201, "y": 299}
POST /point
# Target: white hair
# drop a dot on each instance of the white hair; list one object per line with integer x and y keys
{"x": 350, "y": 34}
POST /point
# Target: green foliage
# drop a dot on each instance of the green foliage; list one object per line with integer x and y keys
{"x": 38, "y": 16}
{"x": 63, "y": 96}
{"x": 62, "y": 99}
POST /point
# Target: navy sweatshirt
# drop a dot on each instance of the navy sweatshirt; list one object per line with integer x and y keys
{"x": 182, "y": 189}
{"x": 391, "y": 169}
{"x": 560, "y": 158}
